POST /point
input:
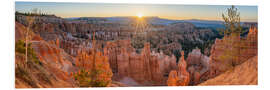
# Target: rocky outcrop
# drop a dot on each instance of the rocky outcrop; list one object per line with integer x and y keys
{"x": 232, "y": 50}
{"x": 20, "y": 32}
{"x": 167, "y": 63}
{"x": 145, "y": 68}
{"x": 243, "y": 74}
{"x": 51, "y": 69}
{"x": 48, "y": 53}
{"x": 197, "y": 66}
{"x": 54, "y": 56}
{"x": 179, "y": 77}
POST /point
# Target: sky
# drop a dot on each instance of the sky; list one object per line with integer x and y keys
{"x": 168, "y": 11}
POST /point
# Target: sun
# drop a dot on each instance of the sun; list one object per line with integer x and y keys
{"x": 140, "y": 15}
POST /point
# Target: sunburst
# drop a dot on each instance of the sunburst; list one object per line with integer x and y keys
{"x": 139, "y": 15}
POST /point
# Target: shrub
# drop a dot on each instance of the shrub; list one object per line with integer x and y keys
{"x": 20, "y": 48}
{"x": 87, "y": 79}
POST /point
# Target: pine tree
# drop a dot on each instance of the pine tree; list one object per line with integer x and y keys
{"x": 232, "y": 21}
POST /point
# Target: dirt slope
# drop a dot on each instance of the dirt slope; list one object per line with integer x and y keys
{"x": 244, "y": 74}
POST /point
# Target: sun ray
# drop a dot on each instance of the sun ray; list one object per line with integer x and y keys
{"x": 139, "y": 15}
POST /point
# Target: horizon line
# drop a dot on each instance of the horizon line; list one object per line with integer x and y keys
{"x": 136, "y": 16}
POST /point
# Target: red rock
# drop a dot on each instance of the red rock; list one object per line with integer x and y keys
{"x": 94, "y": 61}
{"x": 173, "y": 78}
{"x": 181, "y": 76}
{"x": 243, "y": 74}
{"x": 144, "y": 67}
{"x": 232, "y": 50}
{"x": 55, "y": 64}
{"x": 198, "y": 64}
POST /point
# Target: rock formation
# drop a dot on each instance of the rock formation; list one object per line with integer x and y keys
{"x": 75, "y": 33}
{"x": 97, "y": 67}
{"x": 57, "y": 41}
{"x": 145, "y": 68}
{"x": 53, "y": 55}
{"x": 232, "y": 50}
{"x": 179, "y": 77}
{"x": 52, "y": 68}
{"x": 197, "y": 65}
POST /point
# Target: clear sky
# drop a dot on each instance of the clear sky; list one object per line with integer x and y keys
{"x": 172, "y": 11}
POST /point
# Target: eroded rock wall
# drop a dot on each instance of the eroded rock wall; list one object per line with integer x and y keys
{"x": 146, "y": 67}
{"x": 197, "y": 66}
{"x": 232, "y": 50}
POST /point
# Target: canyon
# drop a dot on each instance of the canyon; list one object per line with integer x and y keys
{"x": 177, "y": 54}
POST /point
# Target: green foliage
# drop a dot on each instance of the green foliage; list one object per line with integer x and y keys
{"x": 230, "y": 56}
{"x": 88, "y": 79}
{"x": 232, "y": 22}
{"x": 20, "y": 48}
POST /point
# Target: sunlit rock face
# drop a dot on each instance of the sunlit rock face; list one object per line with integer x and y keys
{"x": 94, "y": 61}
{"x": 173, "y": 78}
{"x": 197, "y": 66}
{"x": 146, "y": 67}
{"x": 54, "y": 68}
{"x": 47, "y": 52}
{"x": 53, "y": 55}
{"x": 112, "y": 51}
{"x": 181, "y": 76}
{"x": 232, "y": 50}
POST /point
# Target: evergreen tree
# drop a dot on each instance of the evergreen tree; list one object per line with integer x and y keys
{"x": 232, "y": 21}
